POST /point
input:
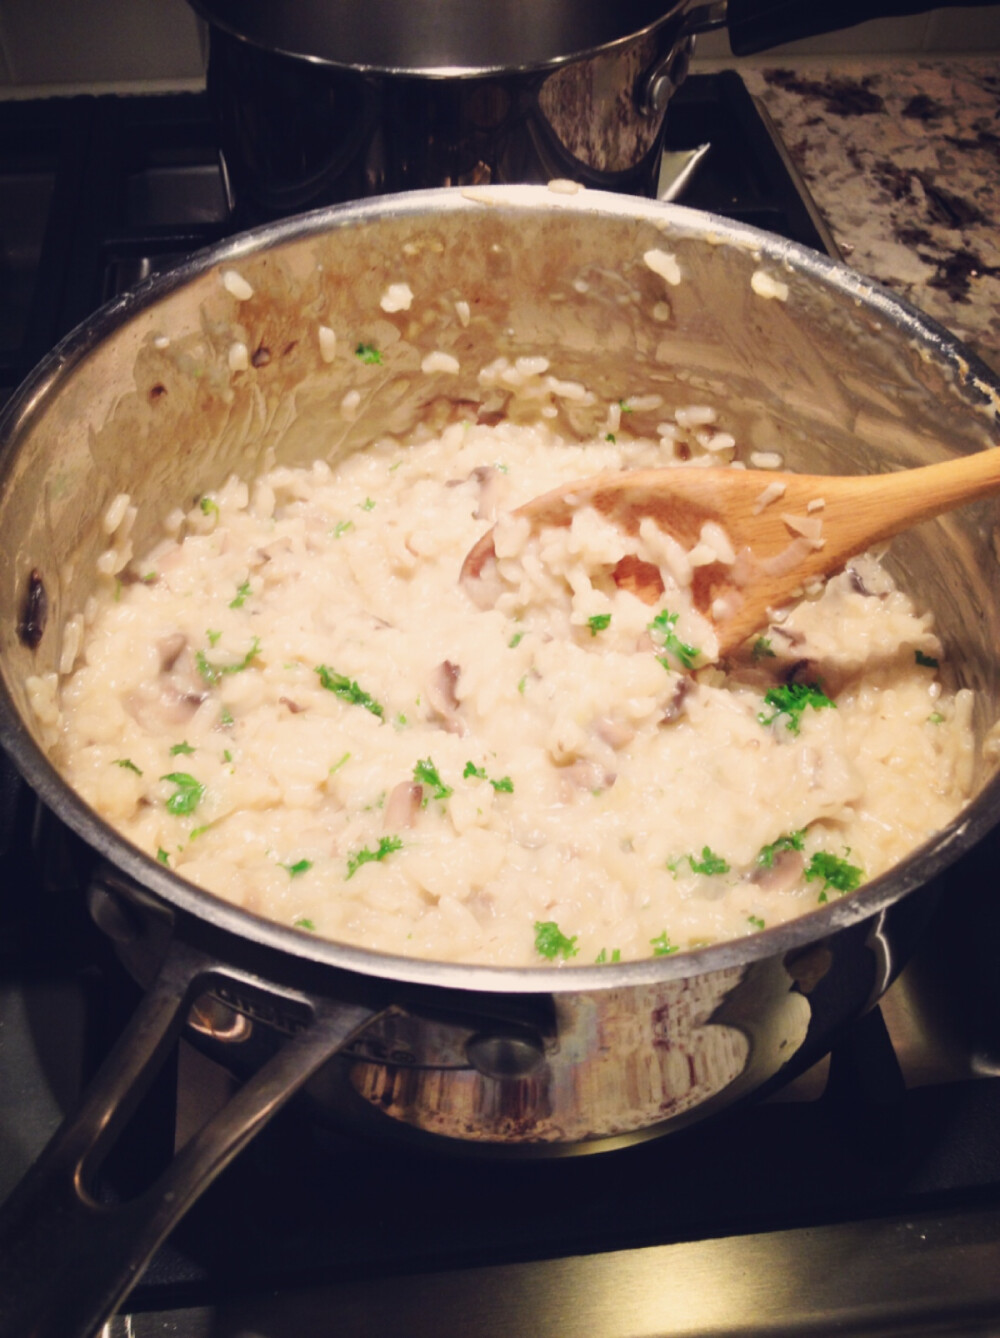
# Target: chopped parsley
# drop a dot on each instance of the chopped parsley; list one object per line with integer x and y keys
{"x": 602, "y": 956}
{"x": 225, "y": 717}
{"x": 304, "y": 923}
{"x": 211, "y": 673}
{"x": 212, "y": 636}
{"x": 610, "y": 436}
{"x": 368, "y": 353}
{"x": 834, "y": 871}
{"x": 426, "y": 773}
{"x": 762, "y": 649}
{"x": 504, "y": 784}
{"x": 367, "y": 505}
{"x": 226, "y": 755}
{"x": 300, "y": 866}
{"x": 347, "y": 690}
{"x": 187, "y": 796}
{"x": 365, "y": 856}
{"x": 127, "y": 764}
{"x": 181, "y": 748}
{"x": 790, "y": 841}
{"x": 522, "y": 684}
{"x": 625, "y": 407}
{"x": 162, "y": 856}
{"x": 790, "y": 700}
{"x": 755, "y": 921}
{"x": 515, "y": 640}
{"x": 551, "y": 942}
{"x": 208, "y": 507}
{"x": 662, "y": 627}
{"x": 342, "y": 527}
{"x": 338, "y": 764}
{"x": 243, "y": 593}
{"x": 598, "y": 622}
{"x": 935, "y": 718}
{"x": 400, "y": 721}
{"x": 710, "y": 863}
{"x": 662, "y": 947}
{"x": 927, "y": 661}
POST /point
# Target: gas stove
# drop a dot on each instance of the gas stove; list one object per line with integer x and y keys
{"x": 865, "y": 1198}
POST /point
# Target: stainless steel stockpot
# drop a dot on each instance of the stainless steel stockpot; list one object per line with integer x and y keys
{"x": 319, "y": 101}
{"x": 840, "y": 377}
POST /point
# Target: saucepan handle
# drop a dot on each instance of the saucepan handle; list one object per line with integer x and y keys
{"x": 757, "y": 25}
{"x": 66, "y": 1261}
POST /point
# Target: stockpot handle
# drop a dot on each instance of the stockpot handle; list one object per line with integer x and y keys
{"x": 757, "y": 25}
{"x": 66, "y": 1261}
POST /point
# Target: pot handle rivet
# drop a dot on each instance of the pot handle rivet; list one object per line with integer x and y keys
{"x": 505, "y": 1055}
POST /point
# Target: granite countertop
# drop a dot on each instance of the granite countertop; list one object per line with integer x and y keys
{"x": 903, "y": 161}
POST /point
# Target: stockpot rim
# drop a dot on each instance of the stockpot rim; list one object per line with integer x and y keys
{"x": 921, "y": 866}
{"x": 594, "y": 39}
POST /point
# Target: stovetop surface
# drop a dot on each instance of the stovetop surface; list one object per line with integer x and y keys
{"x": 94, "y": 195}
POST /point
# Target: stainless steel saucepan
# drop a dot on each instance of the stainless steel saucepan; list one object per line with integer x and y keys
{"x": 143, "y": 398}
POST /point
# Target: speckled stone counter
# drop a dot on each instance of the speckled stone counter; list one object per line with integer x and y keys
{"x": 903, "y": 160}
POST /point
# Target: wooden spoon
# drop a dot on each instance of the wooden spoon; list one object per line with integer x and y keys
{"x": 812, "y": 529}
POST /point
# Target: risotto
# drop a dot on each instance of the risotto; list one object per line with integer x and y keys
{"x": 292, "y": 702}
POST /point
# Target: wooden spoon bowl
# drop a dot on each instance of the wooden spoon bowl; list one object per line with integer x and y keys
{"x": 786, "y": 529}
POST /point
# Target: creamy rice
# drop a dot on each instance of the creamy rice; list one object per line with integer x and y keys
{"x": 292, "y": 702}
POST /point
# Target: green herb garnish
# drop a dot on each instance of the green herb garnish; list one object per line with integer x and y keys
{"x": 935, "y": 718}
{"x": 187, "y": 796}
{"x": 791, "y": 841}
{"x": 610, "y": 436}
{"x": 602, "y": 956}
{"x": 790, "y": 700}
{"x": 127, "y": 764}
{"x": 426, "y": 773}
{"x": 342, "y": 527}
{"x": 755, "y": 921}
{"x": 212, "y": 636}
{"x": 927, "y": 661}
{"x": 225, "y": 717}
{"x": 179, "y": 748}
{"x": 368, "y": 353}
{"x": 709, "y": 863}
{"x": 662, "y": 947}
{"x": 208, "y": 507}
{"x": 662, "y": 626}
{"x": 211, "y": 673}
{"x": 515, "y": 640}
{"x": 365, "y": 856}
{"x": 347, "y": 690}
{"x": 300, "y": 866}
{"x": 337, "y": 765}
{"x": 762, "y": 649}
{"x": 551, "y": 942}
{"x": 162, "y": 856}
{"x": 243, "y": 593}
{"x": 303, "y": 923}
{"x": 367, "y": 505}
{"x": 598, "y": 622}
{"x": 504, "y": 784}
{"x": 834, "y": 871}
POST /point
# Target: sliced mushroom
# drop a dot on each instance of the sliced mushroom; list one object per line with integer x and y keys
{"x": 175, "y": 695}
{"x": 615, "y": 733}
{"x": 586, "y": 774}
{"x": 442, "y": 698}
{"x": 169, "y": 649}
{"x": 784, "y": 872}
{"x": 402, "y": 808}
{"x": 676, "y": 706}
